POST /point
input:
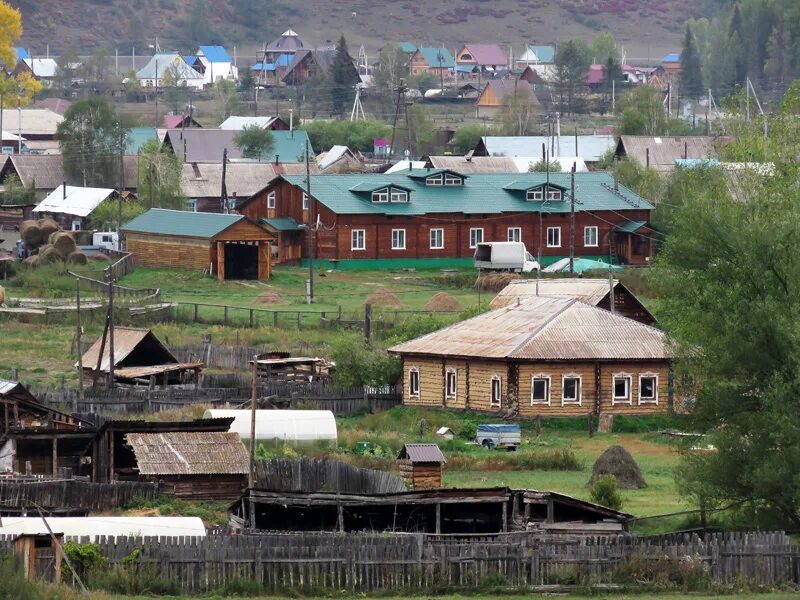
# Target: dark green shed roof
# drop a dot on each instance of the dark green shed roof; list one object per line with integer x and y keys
{"x": 182, "y": 223}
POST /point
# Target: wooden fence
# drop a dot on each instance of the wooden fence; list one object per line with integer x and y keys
{"x": 368, "y": 562}
{"x": 71, "y": 494}
{"x": 319, "y": 475}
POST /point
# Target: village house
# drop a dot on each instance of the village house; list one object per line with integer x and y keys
{"x": 482, "y": 57}
{"x": 209, "y": 145}
{"x": 671, "y": 64}
{"x": 174, "y": 67}
{"x": 662, "y": 153}
{"x": 434, "y": 216}
{"x": 72, "y": 207}
{"x": 223, "y": 245}
{"x": 590, "y": 148}
{"x": 544, "y": 357}
{"x": 37, "y": 128}
{"x": 437, "y": 61}
{"x": 213, "y": 63}
{"x": 178, "y": 122}
{"x": 534, "y": 55}
{"x": 43, "y": 70}
{"x": 340, "y": 159}
{"x": 499, "y": 164}
{"x": 498, "y": 94}
{"x": 56, "y": 105}
{"x": 273, "y": 123}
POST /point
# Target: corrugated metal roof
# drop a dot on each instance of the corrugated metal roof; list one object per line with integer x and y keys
{"x": 422, "y": 453}
{"x": 36, "y": 122}
{"x": 164, "y": 62}
{"x": 544, "y": 328}
{"x": 289, "y": 41}
{"x": 590, "y": 291}
{"x": 137, "y": 137}
{"x": 78, "y": 201}
{"x": 182, "y": 223}
{"x": 204, "y": 180}
{"x": 189, "y": 453}
{"x": 664, "y": 151}
{"x": 286, "y": 425}
{"x": 489, "y": 55}
{"x": 215, "y": 54}
{"x": 207, "y": 145}
{"x": 42, "y": 67}
{"x": 437, "y": 57}
{"x": 590, "y": 147}
{"x": 46, "y": 171}
{"x": 238, "y": 123}
{"x": 125, "y": 341}
{"x": 21, "y": 52}
{"x": 630, "y": 226}
{"x": 6, "y": 386}
{"x": 407, "y": 47}
{"x": 282, "y": 224}
{"x": 482, "y": 193}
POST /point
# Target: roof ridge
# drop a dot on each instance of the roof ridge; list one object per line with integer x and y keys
{"x": 543, "y": 326}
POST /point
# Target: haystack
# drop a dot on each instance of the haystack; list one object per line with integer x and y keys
{"x": 443, "y": 302}
{"x": 48, "y": 227}
{"x": 494, "y": 282}
{"x": 77, "y": 258}
{"x": 269, "y": 298}
{"x": 31, "y": 234}
{"x": 384, "y": 298}
{"x": 100, "y": 257}
{"x": 64, "y": 243}
{"x": 2, "y": 294}
{"x": 618, "y": 462}
{"x": 48, "y": 255}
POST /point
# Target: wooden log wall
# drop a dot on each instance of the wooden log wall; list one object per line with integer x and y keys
{"x": 367, "y": 562}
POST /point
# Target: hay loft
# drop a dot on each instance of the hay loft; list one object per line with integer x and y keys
{"x": 618, "y": 462}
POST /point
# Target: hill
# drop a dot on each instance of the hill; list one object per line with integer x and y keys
{"x": 645, "y": 28}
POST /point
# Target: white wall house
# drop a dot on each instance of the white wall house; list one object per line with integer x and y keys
{"x": 153, "y": 72}
{"x": 214, "y": 64}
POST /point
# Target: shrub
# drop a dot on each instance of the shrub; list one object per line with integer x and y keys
{"x": 85, "y": 558}
{"x": 357, "y": 364}
{"x": 467, "y": 431}
{"x": 604, "y": 491}
{"x": 685, "y": 573}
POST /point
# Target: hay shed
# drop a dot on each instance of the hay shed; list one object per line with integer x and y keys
{"x": 421, "y": 465}
{"x": 290, "y": 426}
{"x": 618, "y": 462}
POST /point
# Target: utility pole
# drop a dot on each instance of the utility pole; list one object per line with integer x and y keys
{"x": 121, "y": 181}
{"x": 110, "y": 280}
{"x": 310, "y": 291}
{"x": 253, "y": 402}
{"x": 747, "y": 98}
{"x": 156, "y": 123}
{"x": 401, "y": 97}
{"x": 78, "y": 336}
{"x": 223, "y": 193}
{"x": 572, "y": 223}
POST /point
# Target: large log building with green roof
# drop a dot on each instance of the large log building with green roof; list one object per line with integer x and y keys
{"x": 436, "y": 217}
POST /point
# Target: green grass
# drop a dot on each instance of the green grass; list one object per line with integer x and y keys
{"x": 509, "y": 596}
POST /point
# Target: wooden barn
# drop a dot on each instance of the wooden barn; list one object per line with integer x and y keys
{"x": 192, "y": 465}
{"x": 224, "y": 245}
{"x": 420, "y": 466}
{"x": 542, "y": 357}
{"x": 596, "y": 292}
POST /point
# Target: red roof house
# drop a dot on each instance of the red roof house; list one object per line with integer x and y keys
{"x": 482, "y": 55}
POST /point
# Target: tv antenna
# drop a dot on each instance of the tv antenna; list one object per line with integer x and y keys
{"x": 358, "y": 108}
{"x": 362, "y": 62}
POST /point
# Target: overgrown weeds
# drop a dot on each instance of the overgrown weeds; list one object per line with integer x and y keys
{"x": 685, "y": 573}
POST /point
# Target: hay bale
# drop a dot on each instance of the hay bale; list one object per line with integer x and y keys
{"x": 269, "y": 298}
{"x": 618, "y": 462}
{"x": 443, "y": 302}
{"x": 77, "y": 258}
{"x": 31, "y": 234}
{"x": 48, "y": 227}
{"x": 64, "y": 243}
{"x": 2, "y": 294}
{"x": 48, "y": 255}
{"x": 100, "y": 257}
{"x": 494, "y": 282}
{"x": 384, "y": 298}
{"x": 32, "y": 261}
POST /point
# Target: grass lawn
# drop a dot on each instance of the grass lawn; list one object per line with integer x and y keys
{"x": 511, "y": 596}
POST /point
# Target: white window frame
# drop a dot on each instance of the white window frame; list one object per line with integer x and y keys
{"x": 305, "y": 201}
{"x": 534, "y": 195}
{"x": 514, "y": 234}
{"x": 75, "y": 225}
{"x": 621, "y": 399}
{"x": 401, "y": 233}
{"x": 412, "y": 393}
{"x": 450, "y": 179}
{"x": 271, "y": 200}
{"x": 354, "y": 234}
{"x": 499, "y": 381}
{"x": 448, "y": 392}
{"x": 381, "y": 195}
{"x": 654, "y": 399}
{"x": 193, "y": 205}
{"x": 586, "y": 231}
{"x": 554, "y": 194}
{"x": 473, "y": 238}
{"x": 435, "y": 180}
{"x": 564, "y": 400}
{"x": 439, "y": 231}
{"x": 558, "y": 229}
{"x": 548, "y": 381}
{"x": 398, "y": 196}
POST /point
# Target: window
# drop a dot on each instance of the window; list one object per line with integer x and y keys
{"x": 475, "y": 236}
{"x": 497, "y": 388}
{"x": 437, "y": 239}
{"x": 380, "y": 195}
{"x": 413, "y": 382}
{"x": 398, "y": 239}
{"x": 622, "y": 389}
{"x": 534, "y": 194}
{"x": 452, "y": 179}
{"x": 76, "y": 225}
{"x": 540, "y": 389}
{"x": 399, "y": 196}
{"x": 553, "y": 194}
{"x": 648, "y": 388}
{"x": 554, "y": 237}
{"x": 357, "y": 241}
{"x": 571, "y": 389}
{"x": 434, "y": 180}
{"x": 271, "y": 200}
{"x": 590, "y": 236}
{"x": 193, "y": 205}
{"x": 515, "y": 234}
{"x": 451, "y": 383}
{"x": 305, "y": 201}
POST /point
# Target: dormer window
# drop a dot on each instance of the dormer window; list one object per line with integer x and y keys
{"x": 553, "y": 194}
{"x": 434, "y": 180}
{"x": 399, "y": 195}
{"x": 380, "y": 195}
{"x": 534, "y": 194}
{"x": 452, "y": 179}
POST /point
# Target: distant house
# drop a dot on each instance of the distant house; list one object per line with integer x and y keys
{"x": 272, "y": 123}
{"x": 672, "y": 65}
{"x": 152, "y": 74}
{"x": 437, "y": 61}
{"x": 37, "y": 126}
{"x": 214, "y": 63}
{"x": 305, "y": 62}
{"x": 486, "y": 57}
{"x": 542, "y": 357}
{"x": 536, "y": 55}
{"x": 42, "y": 69}
{"x": 339, "y": 159}
{"x": 661, "y": 153}
{"x": 289, "y": 42}
{"x": 226, "y": 246}
{"x": 179, "y": 122}
{"x": 499, "y": 164}
{"x": 590, "y": 148}
{"x": 208, "y": 145}
{"x": 56, "y": 105}
{"x": 595, "y": 76}
{"x": 498, "y": 93}
{"x": 71, "y": 207}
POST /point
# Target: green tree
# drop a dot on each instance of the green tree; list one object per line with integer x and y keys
{"x": 421, "y": 140}
{"x": 225, "y": 99}
{"x": 736, "y": 54}
{"x": 96, "y": 67}
{"x": 468, "y": 136}
{"x": 571, "y": 63}
{"x": 518, "y": 111}
{"x": 66, "y": 68}
{"x": 246, "y": 80}
{"x": 691, "y": 73}
{"x": 343, "y": 76}
{"x": 255, "y": 142}
{"x": 176, "y": 95}
{"x": 15, "y": 192}
{"x": 92, "y": 138}
{"x": 542, "y": 167}
{"x": 356, "y": 135}
{"x": 105, "y": 216}
{"x": 424, "y": 81}
{"x": 642, "y": 113}
{"x": 392, "y": 67}
{"x": 604, "y": 48}
{"x": 160, "y": 178}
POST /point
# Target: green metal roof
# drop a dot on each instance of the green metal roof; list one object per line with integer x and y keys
{"x": 137, "y": 137}
{"x": 425, "y": 173}
{"x": 482, "y": 193}
{"x": 282, "y": 224}
{"x": 290, "y": 145}
{"x": 630, "y": 226}
{"x": 525, "y": 185}
{"x": 182, "y": 223}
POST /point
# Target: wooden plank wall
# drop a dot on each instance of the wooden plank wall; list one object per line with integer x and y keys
{"x": 73, "y": 493}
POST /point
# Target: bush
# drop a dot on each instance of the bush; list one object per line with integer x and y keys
{"x": 687, "y": 573}
{"x": 604, "y": 491}
{"x": 86, "y": 559}
{"x": 358, "y": 364}
{"x": 467, "y": 431}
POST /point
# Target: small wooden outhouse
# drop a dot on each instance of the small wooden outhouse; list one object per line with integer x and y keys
{"x": 39, "y": 556}
{"x": 421, "y": 466}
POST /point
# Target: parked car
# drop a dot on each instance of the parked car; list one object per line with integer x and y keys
{"x": 500, "y": 435}
{"x": 504, "y": 256}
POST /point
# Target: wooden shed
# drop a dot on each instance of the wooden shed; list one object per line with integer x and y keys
{"x": 228, "y": 246}
{"x": 421, "y": 466}
{"x": 39, "y": 556}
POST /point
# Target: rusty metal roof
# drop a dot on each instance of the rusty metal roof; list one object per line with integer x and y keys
{"x": 590, "y": 291}
{"x": 422, "y": 453}
{"x": 474, "y": 164}
{"x": 189, "y": 453}
{"x": 125, "y": 341}
{"x": 544, "y": 328}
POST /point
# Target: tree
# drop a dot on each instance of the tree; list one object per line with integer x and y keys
{"x": 643, "y": 113}
{"x": 343, "y": 77}
{"x": 14, "y": 91}
{"x": 424, "y": 81}
{"x": 356, "y": 135}
{"x": 775, "y": 67}
{"x": 604, "y": 48}
{"x": 571, "y": 63}
{"x": 160, "y": 178}
{"x": 246, "y": 80}
{"x": 96, "y": 66}
{"x": 255, "y": 142}
{"x": 104, "y": 217}
{"x": 15, "y": 192}
{"x": 518, "y": 111}
{"x": 736, "y": 57}
{"x": 421, "y": 139}
{"x": 542, "y": 167}
{"x": 225, "y": 99}
{"x": 468, "y": 136}
{"x": 614, "y": 77}
{"x": 392, "y": 67}
{"x": 10, "y": 32}
{"x": 200, "y": 30}
{"x": 691, "y": 74}
{"x": 91, "y": 138}
{"x": 66, "y": 68}
{"x": 176, "y": 94}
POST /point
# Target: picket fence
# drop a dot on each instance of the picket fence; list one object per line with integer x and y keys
{"x": 368, "y": 562}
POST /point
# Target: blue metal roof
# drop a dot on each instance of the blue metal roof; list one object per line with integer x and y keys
{"x": 432, "y": 57}
{"x": 137, "y": 137}
{"x": 216, "y": 54}
{"x": 407, "y": 47}
{"x": 22, "y": 53}
{"x": 545, "y": 54}
{"x": 282, "y": 223}
{"x": 671, "y": 58}
{"x": 284, "y": 60}
{"x": 263, "y": 67}
{"x": 499, "y": 427}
